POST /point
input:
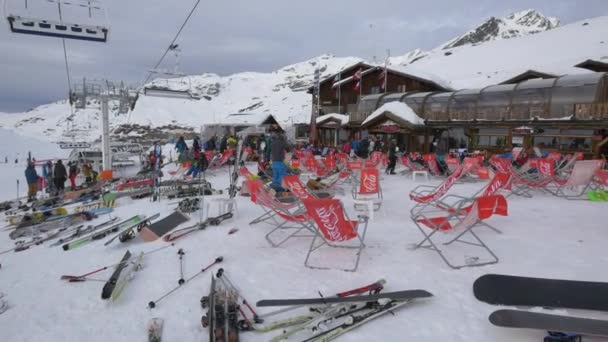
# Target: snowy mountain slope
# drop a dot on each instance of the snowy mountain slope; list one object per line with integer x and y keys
{"x": 516, "y": 24}
{"x": 281, "y": 93}
{"x": 554, "y": 51}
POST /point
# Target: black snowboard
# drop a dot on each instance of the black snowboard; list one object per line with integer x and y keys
{"x": 162, "y": 227}
{"x": 551, "y": 293}
{"x": 547, "y": 322}
{"x": 109, "y": 286}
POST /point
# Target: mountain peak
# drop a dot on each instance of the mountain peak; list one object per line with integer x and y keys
{"x": 516, "y": 24}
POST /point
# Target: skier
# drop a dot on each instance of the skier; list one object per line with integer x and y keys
{"x": 346, "y": 147}
{"x": 73, "y": 172}
{"x": 47, "y": 175}
{"x": 196, "y": 148}
{"x": 278, "y": 147}
{"x": 261, "y": 148}
{"x": 232, "y": 141}
{"x": 223, "y": 144}
{"x": 86, "y": 171}
{"x": 372, "y": 145}
{"x": 181, "y": 147}
{"x": 31, "y": 176}
{"x": 364, "y": 148}
{"x": 60, "y": 175}
{"x": 211, "y": 144}
{"x": 392, "y": 157}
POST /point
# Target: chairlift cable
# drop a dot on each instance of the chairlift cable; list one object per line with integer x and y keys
{"x": 173, "y": 41}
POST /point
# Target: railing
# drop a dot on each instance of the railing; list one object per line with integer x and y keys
{"x": 588, "y": 111}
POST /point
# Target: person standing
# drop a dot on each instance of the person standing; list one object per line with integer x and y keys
{"x": 181, "y": 147}
{"x": 196, "y": 148}
{"x": 392, "y": 157}
{"x": 73, "y": 172}
{"x": 31, "y": 177}
{"x": 278, "y": 147}
{"x": 60, "y": 175}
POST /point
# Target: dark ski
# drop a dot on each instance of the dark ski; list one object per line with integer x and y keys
{"x": 400, "y": 295}
{"x": 109, "y": 286}
{"x": 548, "y": 322}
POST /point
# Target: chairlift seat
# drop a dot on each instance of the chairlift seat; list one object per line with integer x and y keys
{"x": 57, "y": 29}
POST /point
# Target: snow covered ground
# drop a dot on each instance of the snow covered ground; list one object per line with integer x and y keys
{"x": 543, "y": 236}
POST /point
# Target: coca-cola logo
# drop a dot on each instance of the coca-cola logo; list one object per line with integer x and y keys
{"x": 545, "y": 167}
{"x": 296, "y": 188}
{"x": 369, "y": 182}
{"x": 328, "y": 222}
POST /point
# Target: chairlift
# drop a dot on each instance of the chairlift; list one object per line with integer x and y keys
{"x": 171, "y": 84}
{"x": 58, "y": 28}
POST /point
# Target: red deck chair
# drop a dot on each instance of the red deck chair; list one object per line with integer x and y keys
{"x": 409, "y": 164}
{"x": 368, "y": 188}
{"x": 300, "y": 191}
{"x": 452, "y": 163}
{"x": 425, "y": 195}
{"x": 334, "y": 229}
{"x": 281, "y": 216}
{"x": 481, "y": 209}
{"x": 431, "y": 161}
{"x": 579, "y": 180}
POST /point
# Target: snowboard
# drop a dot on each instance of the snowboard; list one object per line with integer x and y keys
{"x": 155, "y": 329}
{"x": 553, "y": 293}
{"x": 110, "y": 285}
{"x": 548, "y": 322}
{"x": 400, "y": 295}
{"x": 161, "y": 227}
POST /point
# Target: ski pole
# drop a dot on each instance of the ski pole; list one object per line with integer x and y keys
{"x": 72, "y": 278}
{"x": 152, "y": 304}
{"x": 181, "y": 253}
{"x": 222, "y": 275}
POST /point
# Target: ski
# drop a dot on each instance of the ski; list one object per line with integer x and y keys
{"x": 155, "y": 329}
{"x": 109, "y": 286}
{"x": 83, "y": 277}
{"x": 399, "y": 295}
{"x": 126, "y": 275}
{"x": 40, "y": 240}
{"x": 354, "y": 321}
{"x": 222, "y": 313}
{"x": 548, "y": 322}
{"x": 80, "y": 232}
{"x": 553, "y": 293}
{"x": 127, "y": 233}
{"x": 212, "y": 221}
{"x": 97, "y": 235}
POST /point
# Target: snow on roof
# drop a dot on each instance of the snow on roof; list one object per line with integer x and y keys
{"x": 245, "y": 119}
{"x": 424, "y": 75}
{"x": 340, "y": 117}
{"x": 400, "y": 110}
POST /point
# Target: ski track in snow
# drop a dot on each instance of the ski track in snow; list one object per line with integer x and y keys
{"x": 543, "y": 237}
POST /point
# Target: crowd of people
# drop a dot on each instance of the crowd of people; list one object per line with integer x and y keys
{"x": 54, "y": 176}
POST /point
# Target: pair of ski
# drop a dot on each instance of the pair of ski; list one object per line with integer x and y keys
{"x": 211, "y": 221}
{"x": 128, "y": 233}
{"x": 122, "y": 274}
{"x": 3, "y": 303}
{"x": 97, "y": 234}
{"x": 547, "y": 293}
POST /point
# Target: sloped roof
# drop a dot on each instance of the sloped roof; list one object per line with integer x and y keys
{"x": 397, "y": 111}
{"x": 528, "y": 74}
{"x": 342, "y": 118}
{"x": 593, "y": 65}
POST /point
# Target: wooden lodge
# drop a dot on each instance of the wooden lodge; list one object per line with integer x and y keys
{"x": 565, "y": 113}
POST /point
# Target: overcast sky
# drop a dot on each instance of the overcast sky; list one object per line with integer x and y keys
{"x": 230, "y": 36}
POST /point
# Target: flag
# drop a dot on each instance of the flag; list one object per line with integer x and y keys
{"x": 383, "y": 77}
{"x": 357, "y": 77}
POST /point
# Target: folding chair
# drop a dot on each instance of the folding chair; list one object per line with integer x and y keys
{"x": 425, "y": 195}
{"x": 580, "y": 179}
{"x": 481, "y": 209}
{"x": 293, "y": 217}
{"x": 299, "y": 190}
{"x": 368, "y": 188}
{"x": 334, "y": 229}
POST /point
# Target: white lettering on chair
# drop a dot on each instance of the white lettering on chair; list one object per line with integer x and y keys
{"x": 328, "y": 218}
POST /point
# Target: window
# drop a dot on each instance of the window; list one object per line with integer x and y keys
{"x": 402, "y": 88}
{"x": 375, "y": 90}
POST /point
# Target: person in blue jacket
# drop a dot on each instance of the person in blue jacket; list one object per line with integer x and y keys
{"x": 181, "y": 147}
{"x": 31, "y": 176}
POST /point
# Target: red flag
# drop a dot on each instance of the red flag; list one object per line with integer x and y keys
{"x": 357, "y": 77}
{"x": 383, "y": 78}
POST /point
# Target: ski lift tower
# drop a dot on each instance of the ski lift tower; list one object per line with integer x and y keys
{"x": 104, "y": 92}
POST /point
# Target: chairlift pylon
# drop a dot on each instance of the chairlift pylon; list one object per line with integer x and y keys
{"x": 58, "y": 27}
